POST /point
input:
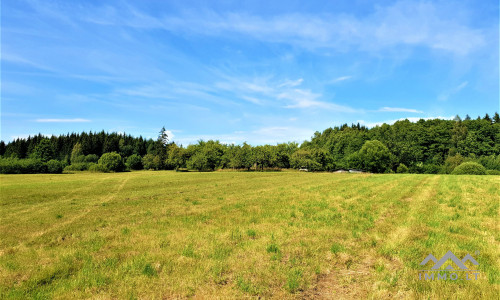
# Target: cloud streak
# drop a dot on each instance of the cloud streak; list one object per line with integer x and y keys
{"x": 386, "y": 27}
{"x": 76, "y": 120}
{"x": 399, "y": 109}
{"x": 447, "y": 94}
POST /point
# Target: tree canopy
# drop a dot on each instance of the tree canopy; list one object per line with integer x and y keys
{"x": 425, "y": 146}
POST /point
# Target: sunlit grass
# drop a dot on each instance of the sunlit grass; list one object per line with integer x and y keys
{"x": 237, "y": 234}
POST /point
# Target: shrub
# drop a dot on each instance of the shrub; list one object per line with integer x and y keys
{"x": 490, "y": 162}
{"x": 134, "y": 162}
{"x": 492, "y": 172}
{"x": 431, "y": 169}
{"x": 96, "y": 168}
{"x": 22, "y": 166}
{"x": 471, "y": 168}
{"x": 91, "y": 158}
{"x": 452, "y": 162}
{"x": 402, "y": 168}
{"x": 374, "y": 156}
{"x": 54, "y": 166}
{"x": 112, "y": 161}
{"x": 81, "y": 166}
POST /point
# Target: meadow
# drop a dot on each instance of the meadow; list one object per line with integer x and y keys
{"x": 165, "y": 234}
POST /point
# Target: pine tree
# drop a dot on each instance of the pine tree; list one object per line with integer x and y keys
{"x": 496, "y": 118}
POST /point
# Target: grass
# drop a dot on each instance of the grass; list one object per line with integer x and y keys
{"x": 236, "y": 234}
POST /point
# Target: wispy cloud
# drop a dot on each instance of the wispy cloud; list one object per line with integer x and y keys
{"x": 447, "y": 94}
{"x": 291, "y": 83}
{"x": 76, "y": 120}
{"x": 399, "y": 109}
{"x": 388, "y": 26}
{"x": 289, "y": 93}
{"x": 341, "y": 78}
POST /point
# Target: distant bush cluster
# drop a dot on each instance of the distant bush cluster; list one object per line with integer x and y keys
{"x": 29, "y": 166}
{"x": 428, "y": 146}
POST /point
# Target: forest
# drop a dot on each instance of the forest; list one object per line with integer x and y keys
{"x": 426, "y": 146}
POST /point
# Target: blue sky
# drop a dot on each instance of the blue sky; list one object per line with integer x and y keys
{"x": 255, "y": 71}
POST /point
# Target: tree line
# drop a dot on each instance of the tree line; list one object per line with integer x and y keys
{"x": 426, "y": 146}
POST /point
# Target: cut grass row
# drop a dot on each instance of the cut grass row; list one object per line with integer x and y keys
{"x": 235, "y": 234}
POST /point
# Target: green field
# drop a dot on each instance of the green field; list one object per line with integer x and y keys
{"x": 164, "y": 234}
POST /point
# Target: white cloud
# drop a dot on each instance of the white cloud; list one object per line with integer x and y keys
{"x": 291, "y": 83}
{"x": 398, "y": 109}
{"x": 170, "y": 134}
{"x": 342, "y": 78}
{"x": 76, "y": 120}
{"x": 252, "y": 100}
{"x": 440, "y": 27}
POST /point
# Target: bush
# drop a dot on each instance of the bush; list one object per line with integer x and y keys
{"x": 134, "y": 162}
{"x": 402, "y": 168}
{"x": 97, "y": 168}
{"x": 81, "y": 166}
{"x": 22, "y": 166}
{"x": 492, "y": 172}
{"x": 78, "y": 159}
{"x": 374, "y": 156}
{"x": 452, "y": 162}
{"x": 112, "y": 161}
{"x": 54, "y": 166}
{"x": 470, "y": 168}
{"x": 91, "y": 158}
{"x": 431, "y": 169}
{"x": 490, "y": 162}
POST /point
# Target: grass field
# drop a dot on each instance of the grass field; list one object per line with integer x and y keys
{"x": 236, "y": 234}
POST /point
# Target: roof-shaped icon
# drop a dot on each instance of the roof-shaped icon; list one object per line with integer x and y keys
{"x": 449, "y": 255}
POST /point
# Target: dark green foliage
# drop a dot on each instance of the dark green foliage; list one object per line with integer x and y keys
{"x": 198, "y": 162}
{"x": 77, "y": 154}
{"x": 54, "y": 166}
{"x": 452, "y": 162}
{"x": 431, "y": 169}
{"x": 272, "y": 248}
{"x": 43, "y": 151}
{"x": 374, "y": 157}
{"x": 205, "y": 155}
{"x": 402, "y": 168}
{"x": 490, "y": 162}
{"x": 2, "y": 148}
{"x": 151, "y": 162}
{"x": 98, "y": 168}
{"x": 426, "y": 146}
{"x": 91, "y": 158}
{"x": 22, "y": 166}
{"x": 241, "y": 157}
{"x": 303, "y": 158}
{"x": 81, "y": 166}
{"x": 175, "y": 157}
{"x": 471, "y": 168}
{"x": 492, "y": 172}
{"x": 134, "y": 162}
{"x": 112, "y": 162}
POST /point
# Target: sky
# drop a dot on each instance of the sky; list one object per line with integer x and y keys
{"x": 263, "y": 72}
